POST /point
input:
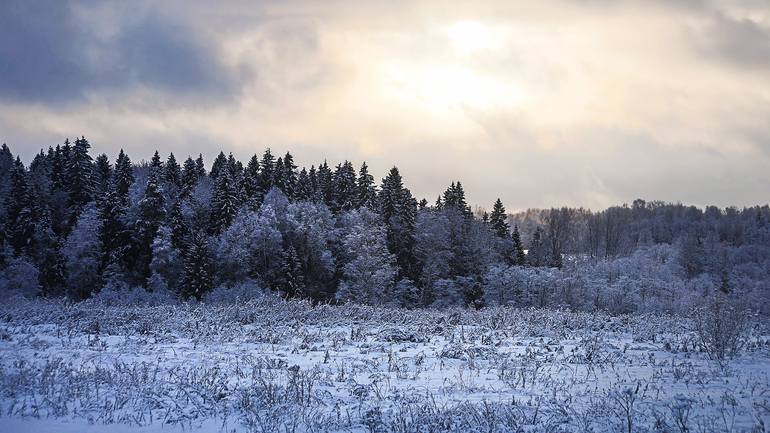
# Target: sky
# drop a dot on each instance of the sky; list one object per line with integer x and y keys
{"x": 541, "y": 103}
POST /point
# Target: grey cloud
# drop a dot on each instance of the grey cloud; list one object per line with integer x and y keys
{"x": 50, "y": 55}
{"x": 742, "y": 42}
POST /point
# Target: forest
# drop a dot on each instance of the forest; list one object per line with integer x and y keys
{"x": 80, "y": 226}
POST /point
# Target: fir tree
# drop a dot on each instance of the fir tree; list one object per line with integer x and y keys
{"x": 324, "y": 185}
{"x": 156, "y": 166}
{"x": 367, "y": 191}
{"x": 114, "y": 235}
{"x": 196, "y": 275}
{"x": 498, "y": 219}
{"x": 304, "y": 186}
{"x": 178, "y": 225}
{"x": 289, "y": 176}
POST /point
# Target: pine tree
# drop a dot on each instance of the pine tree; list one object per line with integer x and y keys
{"x": 173, "y": 174}
{"x": 498, "y": 219}
{"x": 196, "y": 276}
{"x": 123, "y": 177}
{"x": 224, "y": 203}
{"x": 519, "y": 257}
{"x": 367, "y": 191}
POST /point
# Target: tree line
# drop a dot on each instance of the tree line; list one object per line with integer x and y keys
{"x": 78, "y": 226}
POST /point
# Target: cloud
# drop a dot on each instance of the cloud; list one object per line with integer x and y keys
{"x": 52, "y": 54}
{"x": 743, "y": 42}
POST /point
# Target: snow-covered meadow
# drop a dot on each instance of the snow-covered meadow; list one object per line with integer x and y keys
{"x": 270, "y": 365}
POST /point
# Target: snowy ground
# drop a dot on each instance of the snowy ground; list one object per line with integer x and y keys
{"x": 283, "y": 366}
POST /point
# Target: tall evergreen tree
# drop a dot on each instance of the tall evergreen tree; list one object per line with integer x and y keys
{"x": 304, "y": 190}
{"x": 345, "y": 190}
{"x": 498, "y": 219}
{"x": 224, "y": 202}
{"x": 79, "y": 176}
{"x": 200, "y": 167}
{"x": 197, "y": 276}
{"x": 267, "y": 167}
{"x": 114, "y": 235}
{"x": 189, "y": 177}
{"x": 173, "y": 173}
{"x": 151, "y": 214}
{"x": 398, "y": 209}
{"x": 519, "y": 258}
{"x": 123, "y": 177}
{"x": 156, "y": 166}
{"x": 102, "y": 174}
{"x": 325, "y": 186}
{"x": 19, "y": 218}
{"x": 293, "y": 283}
{"x": 251, "y": 185}
{"x": 367, "y": 191}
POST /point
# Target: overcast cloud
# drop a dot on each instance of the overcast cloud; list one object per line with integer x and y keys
{"x": 568, "y": 102}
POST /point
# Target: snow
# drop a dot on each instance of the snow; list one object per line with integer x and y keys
{"x": 271, "y": 365}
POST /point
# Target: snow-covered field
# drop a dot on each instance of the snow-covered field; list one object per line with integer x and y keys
{"x": 270, "y": 365}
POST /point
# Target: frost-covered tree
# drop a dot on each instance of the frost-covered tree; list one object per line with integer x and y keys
{"x": 172, "y": 171}
{"x": 218, "y": 166}
{"x": 367, "y": 190}
{"x": 267, "y": 171}
{"x": 83, "y": 254}
{"x": 167, "y": 264}
{"x": 520, "y": 258}
{"x": 102, "y": 174}
{"x": 225, "y": 202}
{"x": 369, "y": 276}
{"x": 398, "y": 210}
{"x": 498, "y": 219}
{"x": 19, "y": 218}
{"x": 433, "y": 249}
{"x": 251, "y": 186}
{"x": 345, "y": 190}
{"x": 123, "y": 176}
{"x": 310, "y": 230}
{"x": 79, "y": 174}
{"x": 196, "y": 276}
{"x": 151, "y": 214}
{"x": 188, "y": 178}
{"x": 250, "y": 248}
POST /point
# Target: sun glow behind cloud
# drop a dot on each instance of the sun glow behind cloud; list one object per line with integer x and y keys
{"x": 612, "y": 102}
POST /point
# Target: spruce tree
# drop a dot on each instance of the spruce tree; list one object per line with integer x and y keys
{"x": 345, "y": 191}
{"x": 178, "y": 225}
{"x": 367, "y": 191}
{"x": 498, "y": 219}
{"x": 173, "y": 174}
{"x": 189, "y": 177}
{"x": 123, "y": 177}
{"x": 151, "y": 215}
{"x": 289, "y": 176}
{"x": 304, "y": 190}
{"x": 102, "y": 174}
{"x": 19, "y": 218}
{"x": 224, "y": 203}
{"x": 325, "y": 187}
{"x": 519, "y": 257}
{"x": 251, "y": 185}
{"x": 537, "y": 254}
{"x": 398, "y": 209}
{"x": 79, "y": 177}
{"x": 200, "y": 167}
{"x": 114, "y": 235}
{"x": 267, "y": 167}
{"x": 293, "y": 283}
{"x": 196, "y": 276}
{"x": 156, "y": 166}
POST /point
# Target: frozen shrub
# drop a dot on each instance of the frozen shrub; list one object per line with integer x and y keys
{"x": 20, "y": 278}
{"x": 721, "y": 327}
